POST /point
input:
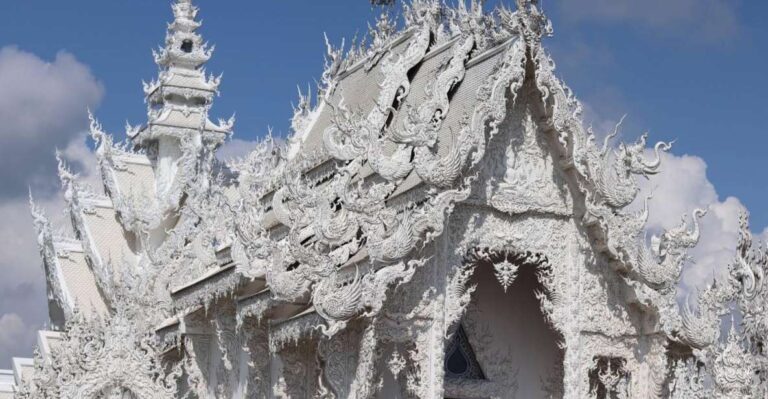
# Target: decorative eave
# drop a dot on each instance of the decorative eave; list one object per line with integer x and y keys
{"x": 180, "y": 122}
{"x": 49, "y": 251}
{"x": 182, "y": 83}
{"x": 217, "y": 283}
{"x": 255, "y": 306}
{"x": 78, "y": 280}
{"x": 134, "y": 210}
{"x": 23, "y": 369}
{"x": 171, "y": 331}
{"x": 54, "y": 249}
{"x": 252, "y": 296}
{"x": 80, "y": 204}
{"x": 82, "y": 201}
{"x": 290, "y": 331}
{"x": 184, "y": 23}
{"x": 7, "y": 383}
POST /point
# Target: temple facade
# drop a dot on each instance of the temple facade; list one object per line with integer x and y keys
{"x": 439, "y": 224}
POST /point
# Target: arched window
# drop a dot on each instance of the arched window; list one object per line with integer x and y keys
{"x": 187, "y": 46}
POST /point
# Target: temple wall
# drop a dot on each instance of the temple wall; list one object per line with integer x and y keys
{"x": 391, "y": 388}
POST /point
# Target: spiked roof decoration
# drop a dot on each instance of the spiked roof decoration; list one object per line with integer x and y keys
{"x": 180, "y": 98}
{"x": 443, "y": 145}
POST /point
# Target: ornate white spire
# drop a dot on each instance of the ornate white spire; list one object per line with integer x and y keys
{"x": 179, "y": 137}
{"x": 180, "y": 98}
{"x": 184, "y": 47}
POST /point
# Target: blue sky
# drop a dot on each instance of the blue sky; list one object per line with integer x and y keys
{"x": 676, "y": 76}
{"x": 691, "y": 70}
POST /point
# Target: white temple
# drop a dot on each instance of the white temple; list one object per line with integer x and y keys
{"x": 439, "y": 225}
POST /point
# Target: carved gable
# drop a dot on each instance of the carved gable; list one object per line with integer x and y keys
{"x": 439, "y": 224}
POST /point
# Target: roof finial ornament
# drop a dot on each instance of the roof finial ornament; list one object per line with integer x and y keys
{"x": 182, "y": 84}
{"x": 528, "y": 20}
{"x": 178, "y": 127}
{"x": 184, "y": 47}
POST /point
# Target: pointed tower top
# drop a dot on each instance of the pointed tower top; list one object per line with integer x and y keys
{"x": 179, "y": 138}
{"x": 180, "y": 98}
{"x": 184, "y": 47}
{"x": 185, "y": 14}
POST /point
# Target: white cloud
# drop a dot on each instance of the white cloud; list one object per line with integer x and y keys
{"x": 23, "y": 292}
{"x": 14, "y": 336}
{"x": 697, "y": 20}
{"x": 43, "y": 105}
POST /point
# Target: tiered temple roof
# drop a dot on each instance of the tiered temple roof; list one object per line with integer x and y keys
{"x": 446, "y": 143}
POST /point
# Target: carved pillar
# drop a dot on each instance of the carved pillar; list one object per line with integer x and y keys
{"x": 413, "y": 358}
{"x": 340, "y": 357}
{"x": 572, "y": 262}
{"x": 297, "y": 372}
{"x": 431, "y": 364}
{"x": 422, "y": 365}
{"x": 226, "y": 365}
{"x": 198, "y": 358}
{"x": 435, "y": 332}
{"x": 256, "y": 351}
{"x": 652, "y": 372}
{"x": 364, "y": 384}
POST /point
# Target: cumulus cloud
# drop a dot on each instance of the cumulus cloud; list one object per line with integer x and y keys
{"x": 708, "y": 20}
{"x": 14, "y": 333}
{"x": 42, "y": 106}
{"x": 23, "y": 291}
{"x": 23, "y": 304}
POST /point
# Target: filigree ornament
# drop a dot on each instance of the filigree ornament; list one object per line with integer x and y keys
{"x": 505, "y": 273}
{"x": 702, "y": 329}
{"x": 748, "y": 272}
{"x": 530, "y": 183}
{"x": 609, "y": 378}
{"x": 365, "y": 228}
{"x": 731, "y": 377}
{"x": 96, "y": 358}
{"x": 396, "y": 364}
{"x": 338, "y": 302}
{"x": 421, "y": 126}
{"x": 688, "y": 381}
{"x": 46, "y": 241}
{"x": 661, "y": 265}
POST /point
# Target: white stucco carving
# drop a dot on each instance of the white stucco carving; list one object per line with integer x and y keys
{"x": 440, "y": 224}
